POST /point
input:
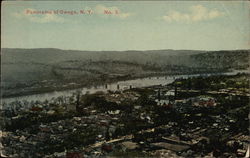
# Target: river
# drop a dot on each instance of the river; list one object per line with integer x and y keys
{"x": 120, "y": 85}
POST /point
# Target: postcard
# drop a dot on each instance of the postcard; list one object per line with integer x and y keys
{"x": 125, "y": 79}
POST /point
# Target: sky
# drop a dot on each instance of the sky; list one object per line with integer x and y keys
{"x": 126, "y": 25}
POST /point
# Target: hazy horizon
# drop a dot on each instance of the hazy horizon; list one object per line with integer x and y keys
{"x": 133, "y": 50}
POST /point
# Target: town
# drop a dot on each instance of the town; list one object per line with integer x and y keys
{"x": 199, "y": 116}
{"x": 153, "y": 79}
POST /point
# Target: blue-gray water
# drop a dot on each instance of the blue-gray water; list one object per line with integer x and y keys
{"x": 144, "y": 82}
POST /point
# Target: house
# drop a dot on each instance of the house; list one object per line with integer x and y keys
{"x": 203, "y": 101}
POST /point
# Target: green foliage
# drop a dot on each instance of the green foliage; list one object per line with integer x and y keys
{"x": 29, "y": 119}
{"x": 81, "y": 137}
{"x": 213, "y": 82}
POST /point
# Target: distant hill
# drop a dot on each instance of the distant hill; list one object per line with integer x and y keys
{"x": 49, "y": 55}
{"x": 238, "y": 59}
{"x": 26, "y": 67}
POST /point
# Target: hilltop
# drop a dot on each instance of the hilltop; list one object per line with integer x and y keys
{"x": 48, "y": 69}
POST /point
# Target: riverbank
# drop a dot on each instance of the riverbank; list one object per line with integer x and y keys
{"x": 78, "y": 84}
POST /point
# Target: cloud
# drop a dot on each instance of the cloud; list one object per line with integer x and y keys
{"x": 116, "y": 12}
{"x": 196, "y": 13}
{"x": 38, "y": 16}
